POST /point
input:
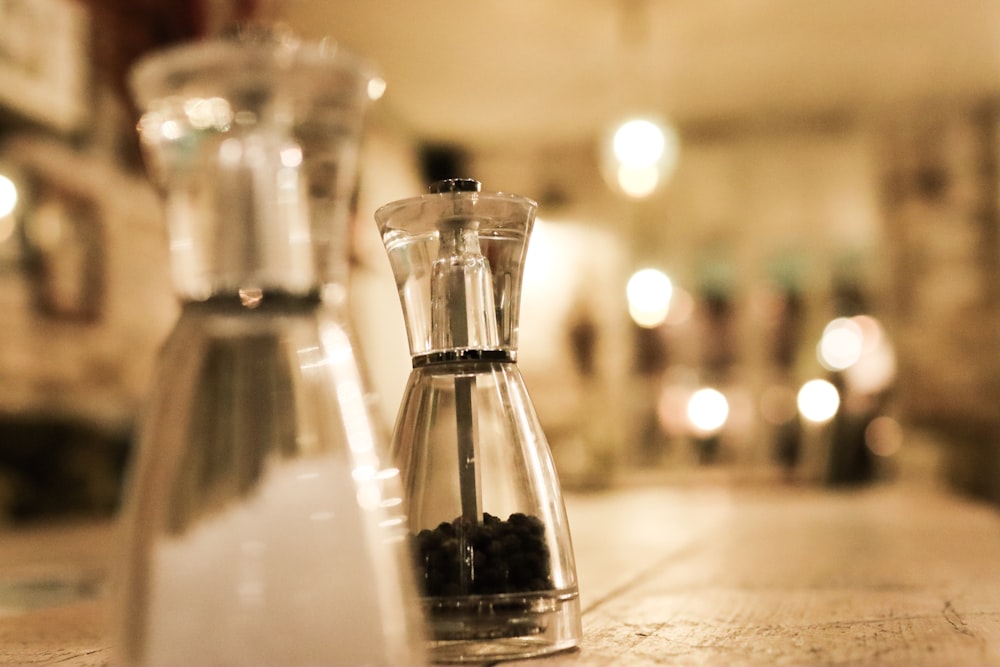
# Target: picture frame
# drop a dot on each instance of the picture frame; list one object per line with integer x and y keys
{"x": 65, "y": 244}
{"x": 61, "y": 226}
{"x": 44, "y": 62}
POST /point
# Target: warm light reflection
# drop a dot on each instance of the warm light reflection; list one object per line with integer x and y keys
{"x": 364, "y": 472}
{"x": 544, "y": 261}
{"x": 638, "y": 181}
{"x": 818, "y": 401}
{"x": 208, "y": 113}
{"x": 640, "y": 156}
{"x": 858, "y": 347}
{"x": 871, "y": 332}
{"x": 376, "y": 88}
{"x": 369, "y": 496}
{"x": 707, "y": 410}
{"x": 171, "y": 130}
{"x": 8, "y": 196}
{"x": 876, "y": 369}
{"x": 291, "y": 156}
{"x": 638, "y": 143}
{"x": 841, "y": 345}
{"x": 649, "y": 292}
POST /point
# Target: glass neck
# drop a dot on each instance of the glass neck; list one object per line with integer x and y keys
{"x": 458, "y": 274}
{"x": 464, "y": 357}
{"x": 254, "y": 148}
{"x": 256, "y": 301}
{"x": 239, "y": 220}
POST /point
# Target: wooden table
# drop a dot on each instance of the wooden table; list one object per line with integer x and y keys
{"x": 696, "y": 574}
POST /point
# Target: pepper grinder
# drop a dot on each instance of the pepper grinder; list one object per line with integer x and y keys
{"x": 490, "y": 538}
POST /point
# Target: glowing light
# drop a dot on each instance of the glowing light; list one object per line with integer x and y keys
{"x": 638, "y": 143}
{"x": 649, "y": 292}
{"x": 707, "y": 410}
{"x": 841, "y": 344}
{"x": 364, "y": 473}
{"x": 8, "y": 196}
{"x": 369, "y": 496}
{"x": 638, "y": 181}
{"x": 543, "y": 262}
{"x": 639, "y": 156}
{"x": 171, "y": 130}
{"x": 291, "y": 156}
{"x": 376, "y": 88}
{"x": 858, "y": 347}
{"x": 205, "y": 113}
{"x": 818, "y": 401}
{"x": 874, "y": 371}
{"x": 871, "y": 332}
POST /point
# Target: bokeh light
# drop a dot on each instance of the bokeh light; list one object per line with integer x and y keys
{"x": 858, "y": 347}
{"x": 208, "y": 113}
{"x": 638, "y": 143}
{"x": 707, "y": 410}
{"x": 639, "y": 156}
{"x": 8, "y": 196}
{"x": 818, "y": 401}
{"x": 638, "y": 181}
{"x": 872, "y": 335}
{"x": 841, "y": 345}
{"x": 649, "y": 292}
{"x": 376, "y": 88}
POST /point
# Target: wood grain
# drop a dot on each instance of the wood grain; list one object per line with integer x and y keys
{"x": 702, "y": 574}
{"x": 792, "y": 577}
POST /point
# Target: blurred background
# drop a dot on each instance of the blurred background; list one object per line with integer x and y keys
{"x": 784, "y": 268}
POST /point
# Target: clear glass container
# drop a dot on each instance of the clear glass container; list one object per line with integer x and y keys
{"x": 262, "y": 525}
{"x": 493, "y": 555}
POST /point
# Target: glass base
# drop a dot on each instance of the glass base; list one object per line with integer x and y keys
{"x": 481, "y": 628}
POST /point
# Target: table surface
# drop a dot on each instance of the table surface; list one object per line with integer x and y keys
{"x": 698, "y": 573}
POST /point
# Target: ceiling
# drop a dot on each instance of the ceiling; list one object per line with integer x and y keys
{"x": 493, "y": 71}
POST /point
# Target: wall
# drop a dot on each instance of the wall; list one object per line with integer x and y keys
{"x": 893, "y": 214}
{"x": 941, "y": 181}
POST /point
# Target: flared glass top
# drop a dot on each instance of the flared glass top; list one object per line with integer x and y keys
{"x": 458, "y": 258}
{"x": 254, "y": 140}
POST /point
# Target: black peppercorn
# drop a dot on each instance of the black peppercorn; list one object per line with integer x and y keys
{"x": 465, "y": 558}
